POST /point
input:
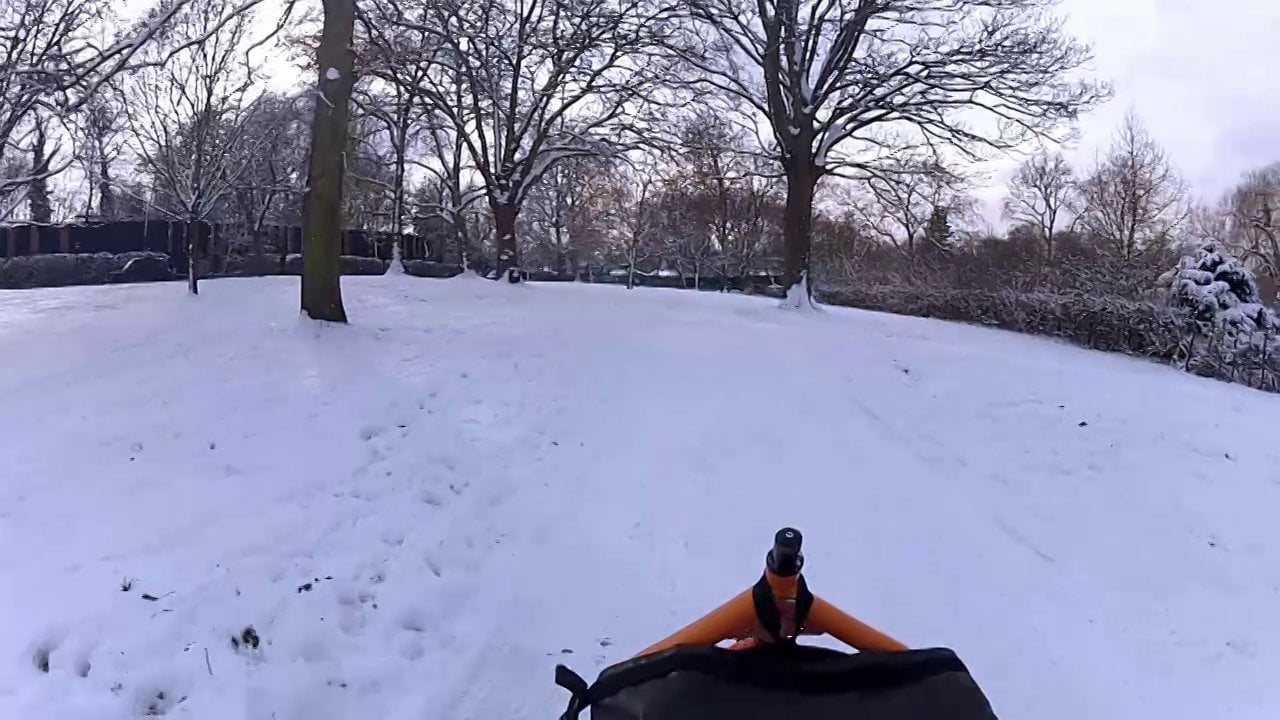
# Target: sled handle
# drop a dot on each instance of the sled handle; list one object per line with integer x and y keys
{"x": 829, "y": 619}
{"x": 737, "y": 617}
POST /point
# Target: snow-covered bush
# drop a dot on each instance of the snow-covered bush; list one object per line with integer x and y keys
{"x": 347, "y": 265}
{"x": 429, "y": 269}
{"x": 61, "y": 269}
{"x": 1218, "y": 290}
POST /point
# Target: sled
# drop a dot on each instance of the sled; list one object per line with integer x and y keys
{"x": 767, "y": 675}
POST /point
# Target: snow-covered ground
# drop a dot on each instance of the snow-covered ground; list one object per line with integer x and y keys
{"x": 421, "y": 513}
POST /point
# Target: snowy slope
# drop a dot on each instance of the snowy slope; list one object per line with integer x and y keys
{"x": 498, "y": 478}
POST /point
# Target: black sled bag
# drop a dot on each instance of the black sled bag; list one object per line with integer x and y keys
{"x": 785, "y": 682}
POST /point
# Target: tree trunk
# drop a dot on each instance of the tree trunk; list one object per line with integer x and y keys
{"x": 38, "y": 191}
{"x": 397, "y": 210}
{"x": 631, "y": 263}
{"x": 797, "y": 223}
{"x": 504, "y": 224}
{"x": 322, "y": 216}
{"x": 106, "y": 196}
{"x": 192, "y": 276}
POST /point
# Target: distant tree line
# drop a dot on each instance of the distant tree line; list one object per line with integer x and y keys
{"x": 802, "y": 139}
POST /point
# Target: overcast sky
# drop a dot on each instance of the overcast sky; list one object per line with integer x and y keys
{"x": 1204, "y": 76}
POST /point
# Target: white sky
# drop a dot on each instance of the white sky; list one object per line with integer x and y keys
{"x": 1204, "y": 76}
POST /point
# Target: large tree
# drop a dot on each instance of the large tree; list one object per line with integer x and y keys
{"x": 842, "y": 83}
{"x": 527, "y": 84}
{"x": 322, "y": 223}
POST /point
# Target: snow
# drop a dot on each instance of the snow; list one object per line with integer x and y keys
{"x": 422, "y": 513}
{"x": 332, "y": 74}
{"x": 798, "y": 296}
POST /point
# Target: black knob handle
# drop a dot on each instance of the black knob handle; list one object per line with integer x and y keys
{"x": 785, "y": 559}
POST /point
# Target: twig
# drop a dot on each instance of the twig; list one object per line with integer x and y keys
{"x": 207, "y": 664}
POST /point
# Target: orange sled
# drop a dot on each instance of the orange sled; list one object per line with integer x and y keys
{"x": 766, "y": 675}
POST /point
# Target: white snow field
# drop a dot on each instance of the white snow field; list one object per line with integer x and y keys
{"x": 479, "y": 481}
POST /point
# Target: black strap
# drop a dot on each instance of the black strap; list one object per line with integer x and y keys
{"x": 804, "y": 603}
{"x": 767, "y": 609}
{"x": 578, "y": 689}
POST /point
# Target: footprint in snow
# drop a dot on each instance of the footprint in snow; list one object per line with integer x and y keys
{"x": 412, "y": 649}
{"x": 42, "y": 655}
{"x": 412, "y": 619}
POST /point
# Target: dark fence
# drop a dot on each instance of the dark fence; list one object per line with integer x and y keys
{"x": 762, "y": 284}
{"x": 215, "y": 242}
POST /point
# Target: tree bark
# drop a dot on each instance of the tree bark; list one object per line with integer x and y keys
{"x": 322, "y": 216}
{"x": 106, "y": 196}
{"x": 397, "y": 214}
{"x": 504, "y": 224}
{"x": 193, "y": 246}
{"x": 38, "y": 192}
{"x": 797, "y": 223}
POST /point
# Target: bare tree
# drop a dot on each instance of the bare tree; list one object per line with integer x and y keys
{"x": 52, "y": 59}
{"x": 834, "y": 77}
{"x": 37, "y": 63}
{"x": 38, "y": 192}
{"x": 755, "y": 211}
{"x": 638, "y": 218}
{"x": 99, "y": 147}
{"x": 452, "y": 192}
{"x": 567, "y": 213}
{"x": 907, "y": 196}
{"x": 396, "y": 60}
{"x": 187, "y": 118}
{"x": 445, "y": 198}
{"x": 275, "y": 163}
{"x": 1253, "y": 212}
{"x": 322, "y": 218}
{"x": 369, "y": 184}
{"x": 1041, "y": 191}
{"x": 686, "y": 222}
{"x": 400, "y": 51}
{"x": 716, "y": 165}
{"x": 1134, "y": 197}
{"x": 539, "y": 82}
